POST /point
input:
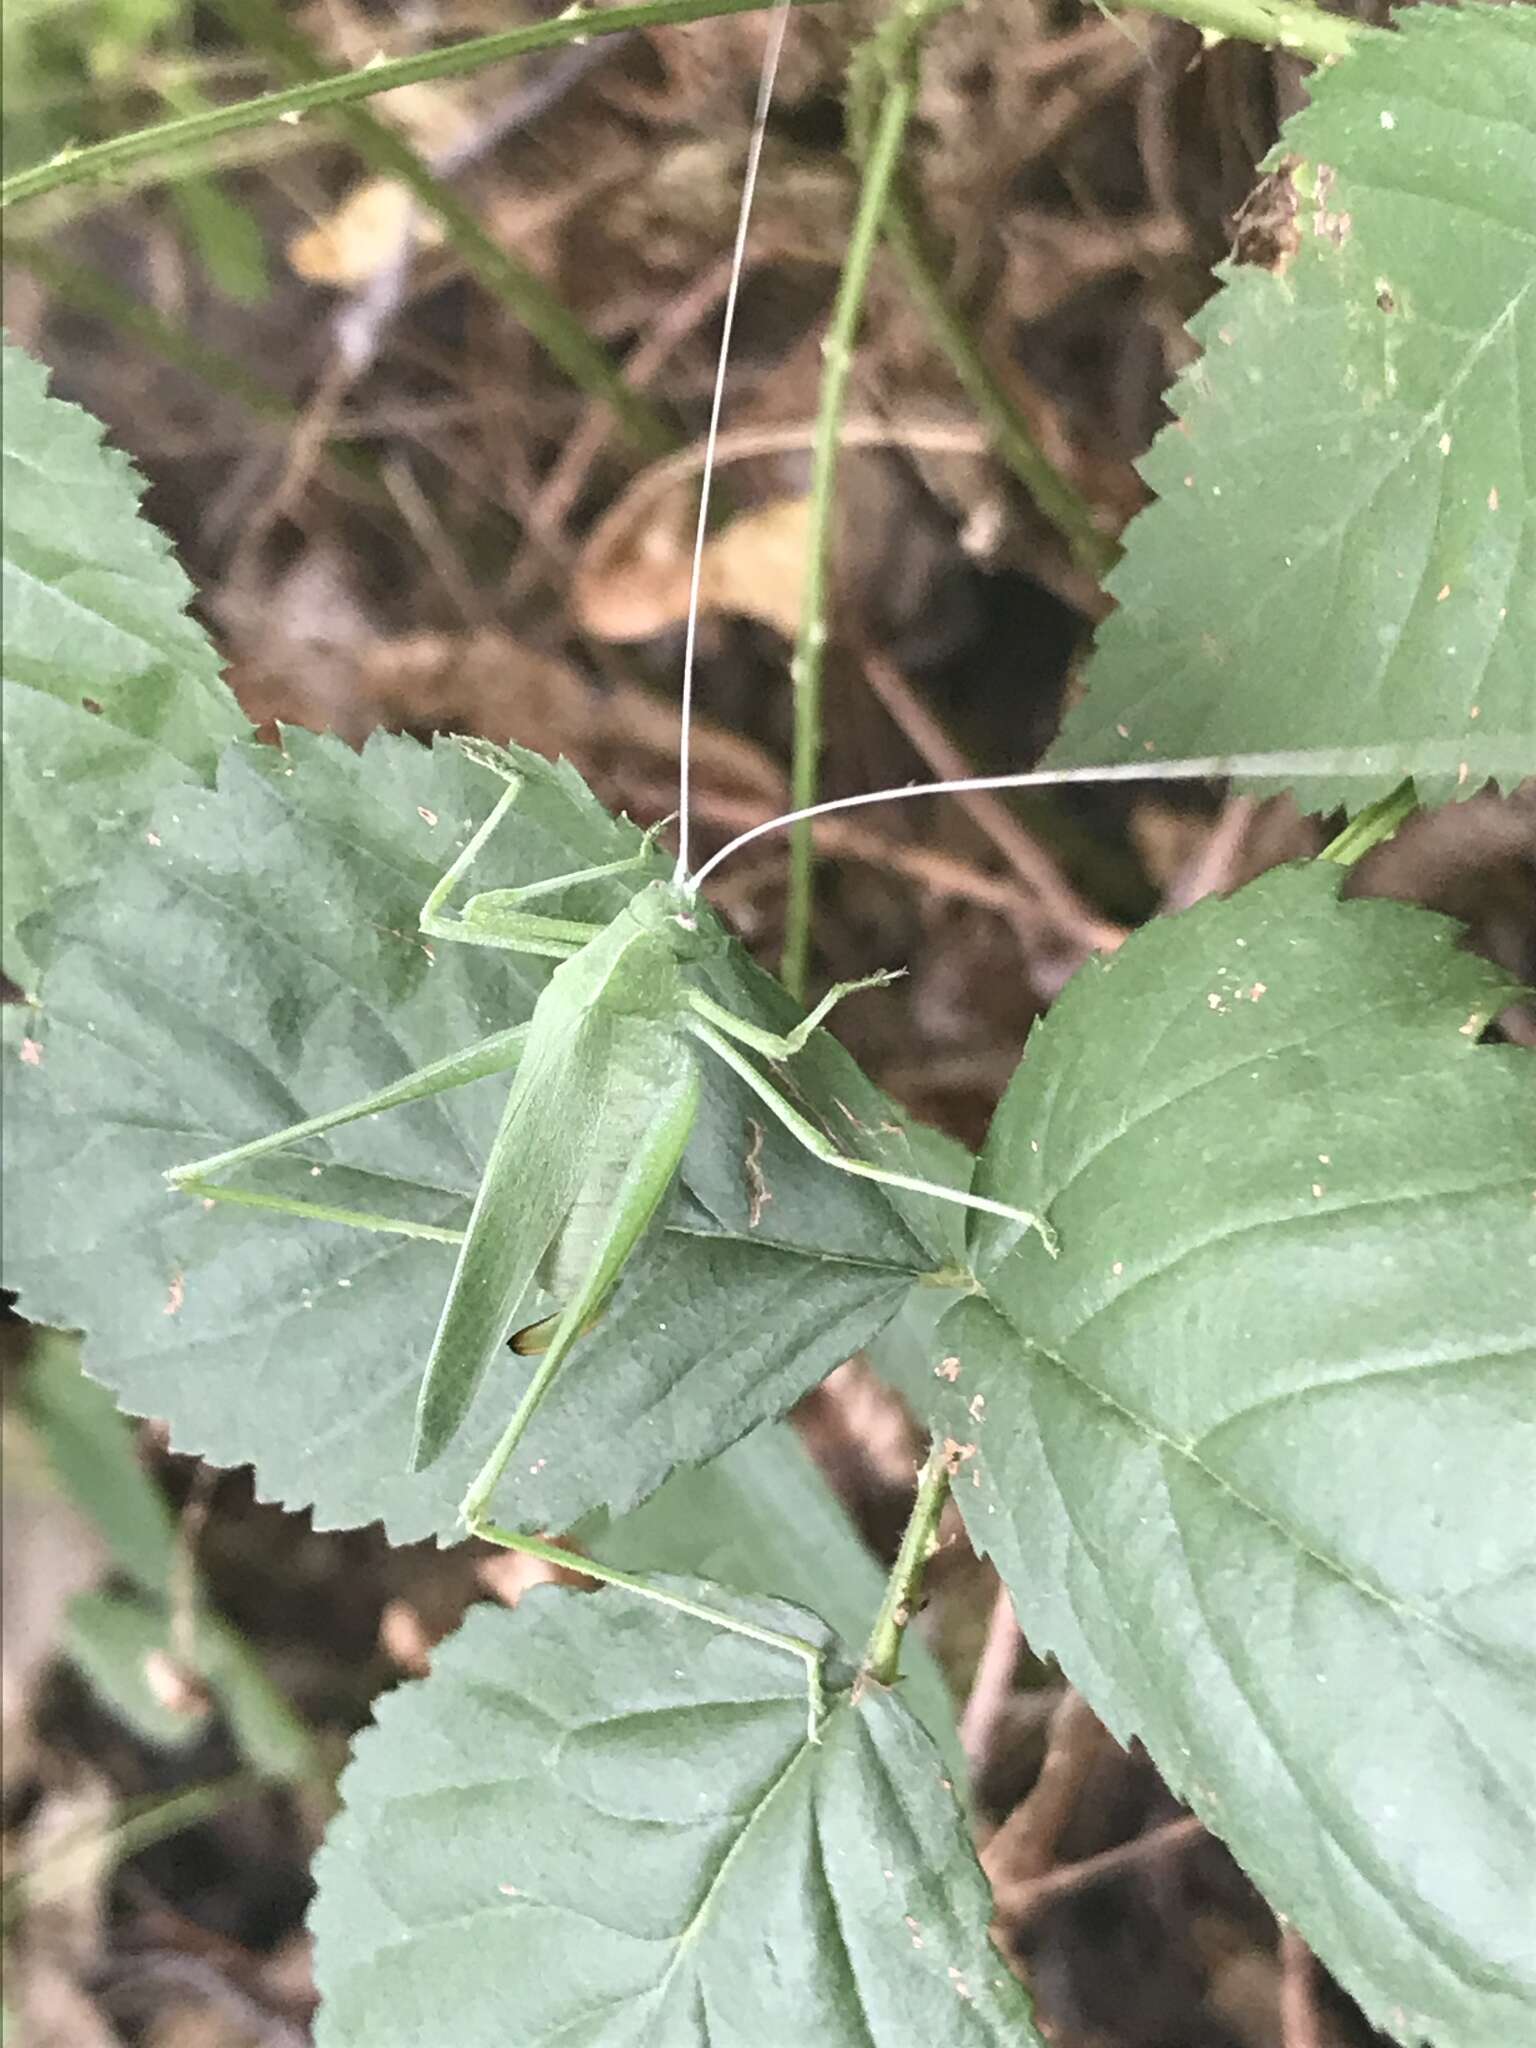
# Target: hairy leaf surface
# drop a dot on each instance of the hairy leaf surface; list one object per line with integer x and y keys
{"x": 111, "y": 692}
{"x": 259, "y": 962}
{"x": 602, "y": 1824}
{"x": 1344, "y": 548}
{"x": 1255, "y": 1455}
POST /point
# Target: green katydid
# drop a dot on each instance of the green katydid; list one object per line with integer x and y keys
{"x": 604, "y": 1095}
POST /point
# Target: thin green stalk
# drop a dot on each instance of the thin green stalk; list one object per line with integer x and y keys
{"x": 548, "y": 319}
{"x": 889, "y": 58}
{"x": 92, "y": 291}
{"x": 1280, "y": 24}
{"x": 1069, "y": 512}
{"x": 1378, "y": 821}
{"x": 882, "y": 1655}
{"x": 141, "y": 1824}
{"x": 174, "y": 138}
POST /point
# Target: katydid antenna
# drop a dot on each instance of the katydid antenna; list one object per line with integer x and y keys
{"x": 765, "y": 82}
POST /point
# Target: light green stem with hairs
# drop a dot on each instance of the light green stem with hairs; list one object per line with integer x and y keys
{"x": 1280, "y": 24}
{"x": 176, "y": 138}
{"x": 882, "y": 1655}
{"x": 1378, "y": 821}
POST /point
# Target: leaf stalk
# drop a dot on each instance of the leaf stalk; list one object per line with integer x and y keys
{"x": 882, "y": 1655}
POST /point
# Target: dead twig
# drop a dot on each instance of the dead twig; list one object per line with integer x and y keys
{"x": 1300, "y": 2022}
{"x": 1024, "y": 1847}
{"x": 1215, "y": 869}
{"x": 1023, "y": 1900}
{"x": 993, "y": 1683}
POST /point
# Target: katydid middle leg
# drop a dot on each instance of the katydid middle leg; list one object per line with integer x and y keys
{"x": 781, "y": 1045}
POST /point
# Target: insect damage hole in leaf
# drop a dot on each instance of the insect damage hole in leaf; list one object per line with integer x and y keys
{"x": 1254, "y": 1457}
{"x": 601, "y": 1820}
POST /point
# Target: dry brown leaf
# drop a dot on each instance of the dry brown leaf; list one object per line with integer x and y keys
{"x": 353, "y": 243}
{"x": 756, "y": 566}
{"x": 633, "y": 579}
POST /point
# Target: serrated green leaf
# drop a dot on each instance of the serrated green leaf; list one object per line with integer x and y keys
{"x": 761, "y": 1519}
{"x": 601, "y": 1823}
{"x": 1344, "y": 547}
{"x": 111, "y": 692}
{"x": 261, "y": 961}
{"x": 1255, "y": 1455}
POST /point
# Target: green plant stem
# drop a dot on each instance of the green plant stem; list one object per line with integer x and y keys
{"x": 1280, "y": 24}
{"x": 1012, "y": 436}
{"x": 882, "y": 1655}
{"x": 530, "y": 301}
{"x": 1378, "y": 821}
{"x": 142, "y": 1823}
{"x": 888, "y": 59}
{"x": 174, "y": 138}
{"x": 92, "y": 291}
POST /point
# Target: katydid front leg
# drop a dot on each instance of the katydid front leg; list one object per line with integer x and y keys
{"x": 497, "y": 917}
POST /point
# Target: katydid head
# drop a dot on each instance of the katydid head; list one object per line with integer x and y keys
{"x": 673, "y": 913}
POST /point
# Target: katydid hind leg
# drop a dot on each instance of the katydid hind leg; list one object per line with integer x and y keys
{"x": 314, "y": 1211}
